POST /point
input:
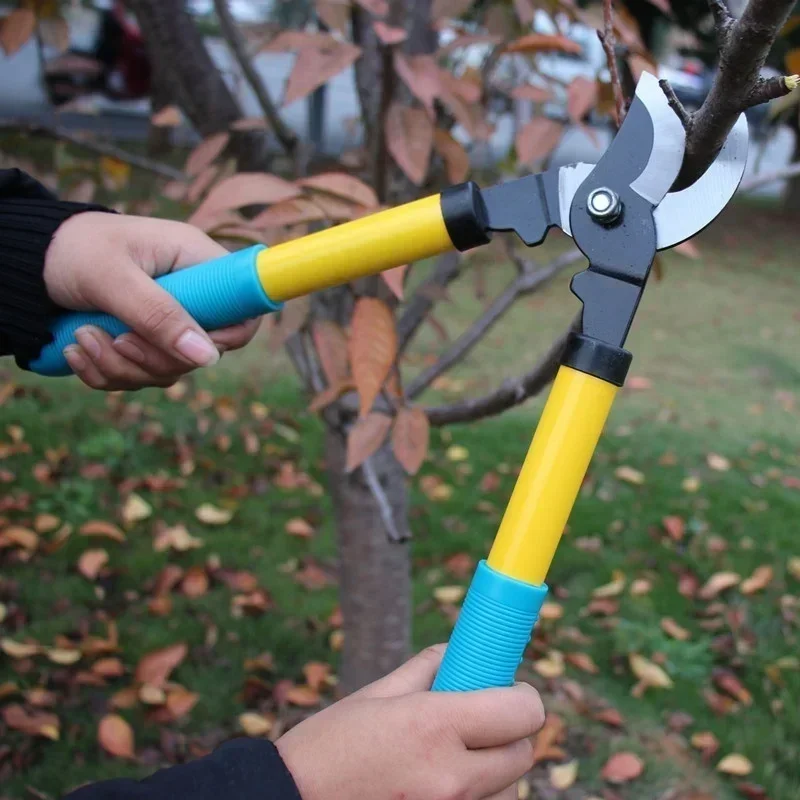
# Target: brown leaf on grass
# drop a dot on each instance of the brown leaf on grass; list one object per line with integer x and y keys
{"x": 421, "y": 75}
{"x": 537, "y": 139}
{"x": 410, "y": 438}
{"x": 297, "y": 526}
{"x": 195, "y": 582}
{"x": 551, "y": 666}
{"x": 176, "y": 538}
{"x": 41, "y": 698}
{"x": 18, "y": 536}
{"x": 735, "y": 764}
{"x": 102, "y": 528}
{"x": 167, "y": 579}
{"x": 706, "y": 742}
{"x": 409, "y": 138}
{"x": 167, "y": 117}
{"x": 247, "y": 189}
{"x": 312, "y": 577}
{"x": 152, "y": 695}
{"x": 115, "y": 736}
{"x": 32, "y": 723}
{"x": 759, "y": 580}
{"x": 156, "y": 667}
{"x": 673, "y": 629}
{"x": 603, "y": 606}
{"x": 135, "y": 509}
{"x": 752, "y": 791}
{"x": 455, "y": 157}
{"x": 613, "y": 589}
{"x": 717, "y": 462}
{"x": 91, "y": 562}
{"x": 527, "y": 91}
{"x": 675, "y": 527}
{"x": 582, "y": 661}
{"x": 610, "y": 717}
{"x": 449, "y": 594}
{"x": 718, "y": 583}
{"x": 650, "y": 674}
{"x": 205, "y": 152}
{"x": 303, "y": 696}
{"x": 255, "y": 724}
{"x": 542, "y": 42}
{"x": 372, "y": 348}
{"x": 727, "y": 682}
{"x": 14, "y": 649}
{"x": 317, "y": 674}
{"x": 318, "y": 62}
{"x": 552, "y": 733}
{"x": 630, "y": 475}
{"x": 622, "y": 768}
{"x": 253, "y": 603}
{"x": 210, "y": 514}
{"x": 45, "y": 523}
{"x": 449, "y": 9}
{"x": 562, "y": 776}
{"x": 344, "y": 185}
{"x": 239, "y": 580}
{"x": 63, "y": 656}
{"x": 109, "y": 667}
{"x": 460, "y": 565}
{"x": 16, "y": 29}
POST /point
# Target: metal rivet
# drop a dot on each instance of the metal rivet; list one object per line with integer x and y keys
{"x": 604, "y": 205}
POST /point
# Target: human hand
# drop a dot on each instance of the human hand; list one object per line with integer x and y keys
{"x": 107, "y": 262}
{"x": 395, "y": 739}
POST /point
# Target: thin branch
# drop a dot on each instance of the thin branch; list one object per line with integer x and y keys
{"x": 512, "y": 393}
{"x": 384, "y": 506}
{"x": 675, "y": 104}
{"x": 525, "y": 283}
{"x": 227, "y": 24}
{"x": 723, "y": 21}
{"x": 100, "y": 148}
{"x": 763, "y": 179}
{"x": 609, "y": 41}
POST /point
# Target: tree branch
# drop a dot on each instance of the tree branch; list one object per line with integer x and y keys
{"x": 609, "y": 42}
{"x": 230, "y": 32}
{"x": 675, "y": 104}
{"x": 100, "y": 148}
{"x": 744, "y": 46}
{"x": 765, "y": 178}
{"x": 527, "y": 282}
{"x": 511, "y": 393}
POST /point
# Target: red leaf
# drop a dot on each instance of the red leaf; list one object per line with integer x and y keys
{"x": 330, "y": 341}
{"x": 247, "y": 189}
{"x": 16, "y": 29}
{"x": 394, "y": 279}
{"x": 155, "y": 667}
{"x": 410, "y": 438}
{"x": 365, "y": 437}
{"x": 450, "y": 9}
{"x": 206, "y": 152}
{"x": 581, "y": 98}
{"x": 623, "y": 767}
{"x": 372, "y": 348}
{"x": 387, "y": 34}
{"x": 316, "y": 65}
{"x": 409, "y": 137}
{"x": 543, "y": 42}
{"x": 343, "y": 185}
{"x": 422, "y": 76}
{"x": 537, "y": 139}
{"x": 115, "y": 736}
{"x": 455, "y": 157}
{"x": 528, "y": 91}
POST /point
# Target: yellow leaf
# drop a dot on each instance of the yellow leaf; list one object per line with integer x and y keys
{"x": 254, "y": 724}
{"x": 629, "y": 475}
{"x": 718, "y": 462}
{"x": 152, "y": 695}
{"x": 19, "y": 649}
{"x": 135, "y": 509}
{"x": 613, "y": 589}
{"x": 649, "y": 673}
{"x": 176, "y": 538}
{"x": 63, "y": 656}
{"x": 794, "y": 567}
{"x": 457, "y": 453}
{"x": 3, "y": 612}
{"x": 523, "y": 789}
{"x": 211, "y": 515}
{"x": 691, "y": 484}
{"x": 115, "y": 173}
{"x": 449, "y": 594}
{"x": 551, "y": 666}
{"x": 735, "y": 764}
{"x": 564, "y": 775}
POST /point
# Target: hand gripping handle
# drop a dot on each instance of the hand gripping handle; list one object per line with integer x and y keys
{"x": 217, "y": 293}
{"x": 492, "y": 632}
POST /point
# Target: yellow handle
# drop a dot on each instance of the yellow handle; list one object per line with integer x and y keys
{"x": 551, "y": 476}
{"x": 362, "y": 247}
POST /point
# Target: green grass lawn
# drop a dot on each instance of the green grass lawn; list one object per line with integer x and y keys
{"x": 715, "y": 438}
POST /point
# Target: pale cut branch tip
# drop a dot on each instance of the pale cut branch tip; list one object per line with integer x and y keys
{"x": 792, "y": 82}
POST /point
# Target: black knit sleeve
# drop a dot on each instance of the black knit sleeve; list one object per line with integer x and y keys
{"x": 29, "y": 216}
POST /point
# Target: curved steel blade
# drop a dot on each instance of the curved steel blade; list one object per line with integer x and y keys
{"x": 681, "y": 215}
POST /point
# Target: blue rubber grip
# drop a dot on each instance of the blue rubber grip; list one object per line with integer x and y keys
{"x": 491, "y": 633}
{"x": 218, "y": 293}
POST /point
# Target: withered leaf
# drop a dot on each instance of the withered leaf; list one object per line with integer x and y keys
{"x": 115, "y": 736}
{"x": 622, "y": 767}
{"x": 156, "y": 667}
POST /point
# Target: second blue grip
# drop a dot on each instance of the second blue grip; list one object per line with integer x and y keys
{"x": 218, "y": 293}
{"x": 491, "y": 634}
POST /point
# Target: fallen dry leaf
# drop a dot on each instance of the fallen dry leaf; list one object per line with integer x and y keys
{"x": 14, "y": 649}
{"x": 115, "y": 736}
{"x": 612, "y": 589}
{"x": 706, "y": 742}
{"x": 63, "y": 656}
{"x": 717, "y": 462}
{"x": 622, "y": 767}
{"x": 303, "y": 696}
{"x": 135, "y": 509}
{"x": 563, "y": 776}
{"x": 650, "y": 674}
{"x": 155, "y": 667}
{"x": 718, "y": 583}
{"x": 210, "y": 514}
{"x": 91, "y": 562}
{"x": 180, "y": 702}
{"x": 793, "y": 565}
{"x": 108, "y": 668}
{"x": 551, "y": 666}
{"x": 675, "y": 527}
{"x": 176, "y": 538}
{"x": 610, "y": 716}
{"x": 45, "y": 523}
{"x": 32, "y": 723}
{"x": 152, "y": 695}
{"x": 673, "y": 629}
{"x": 297, "y": 526}
{"x": 317, "y": 674}
{"x": 727, "y": 682}
{"x": 760, "y": 579}
{"x": 195, "y": 582}
{"x": 630, "y": 475}
{"x": 551, "y": 734}
{"x": 449, "y": 594}
{"x": 18, "y": 536}
{"x": 582, "y": 661}
{"x": 99, "y": 527}
{"x": 254, "y": 724}
{"x": 691, "y": 484}
{"x": 735, "y": 764}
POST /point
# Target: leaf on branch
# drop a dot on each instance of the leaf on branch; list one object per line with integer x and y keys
{"x": 329, "y": 394}
{"x": 536, "y": 94}
{"x": 581, "y": 98}
{"x": 449, "y": 9}
{"x": 387, "y": 34}
{"x": 247, "y": 189}
{"x": 334, "y": 13}
{"x": 16, "y": 29}
{"x": 205, "y": 152}
{"x": 317, "y": 64}
{"x": 372, "y": 348}
{"x": 365, "y": 437}
{"x": 342, "y": 185}
{"x": 330, "y": 341}
{"x": 470, "y": 116}
{"x": 409, "y": 137}
{"x": 167, "y": 117}
{"x": 542, "y": 43}
{"x": 467, "y": 40}
{"x": 623, "y": 767}
{"x": 455, "y": 157}
{"x": 393, "y": 278}
{"x": 200, "y": 184}
{"x": 537, "y": 139}
{"x": 410, "y": 437}
{"x": 422, "y": 76}
{"x": 296, "y": 211}
{"x": 337, "y": 209}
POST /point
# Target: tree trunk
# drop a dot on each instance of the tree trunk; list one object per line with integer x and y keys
{"x": 791, "y": 196}
{"x": 374, "y": 572}
{"x": 190, "y": 77}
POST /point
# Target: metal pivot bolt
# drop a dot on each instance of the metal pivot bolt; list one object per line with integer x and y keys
{"x": 604, "y": 205}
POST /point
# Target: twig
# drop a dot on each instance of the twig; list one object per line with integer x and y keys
{"x": 609, "y": 41}
{"x": 525, "y": 283}
{"x": 101, "y": 148}
{"x": 227, "y": 24}
{"x": 510, "y": 394}
{"x": 723, "y": 21}
{"x": 762, "y": 179}
{"x": 384, "y": 507}
{"x": 675, "y": 104}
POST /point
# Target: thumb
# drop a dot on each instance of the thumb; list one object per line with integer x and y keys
{"x": 416, "y": 675}
{"x": 135, "y": 298}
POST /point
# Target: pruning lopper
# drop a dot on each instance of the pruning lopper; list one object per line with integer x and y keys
{"x": 619, "y": 212}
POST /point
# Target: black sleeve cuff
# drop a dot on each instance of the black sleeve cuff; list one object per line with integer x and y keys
{"x": 29, "y": 216}
{"x": 241, "y": 769}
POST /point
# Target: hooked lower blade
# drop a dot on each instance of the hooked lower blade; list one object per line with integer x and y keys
{"x": 681, "y": 215}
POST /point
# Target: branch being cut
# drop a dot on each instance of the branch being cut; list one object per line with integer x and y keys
{"x": 609, "y": 41}
{"x": 512, "y": 393}
{"x": 227, "y": 24}
{"x": 743, "y": 47}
